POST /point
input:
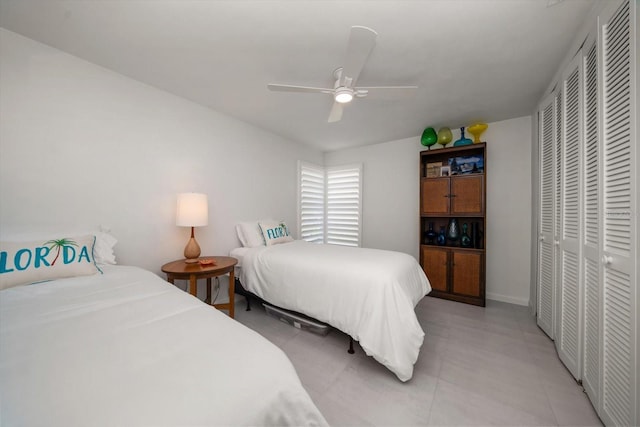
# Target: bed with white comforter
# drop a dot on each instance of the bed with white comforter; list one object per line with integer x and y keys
{"x": 125, "y": 348}
{"x": 369, "y": 294}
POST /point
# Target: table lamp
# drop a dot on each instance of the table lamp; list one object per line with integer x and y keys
{"x": 192, "y": 211}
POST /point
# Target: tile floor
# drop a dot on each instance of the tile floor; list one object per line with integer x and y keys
{"x": 477, "y": 366}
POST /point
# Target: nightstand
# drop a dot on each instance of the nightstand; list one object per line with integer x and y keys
{"x": 192, "y": 272}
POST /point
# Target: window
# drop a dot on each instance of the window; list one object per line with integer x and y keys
{"x": 330, "y": 204}
{"x": 311, "y": 201}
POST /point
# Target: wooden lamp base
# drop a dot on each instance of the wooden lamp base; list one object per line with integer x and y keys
{"x": 192, "y": 250}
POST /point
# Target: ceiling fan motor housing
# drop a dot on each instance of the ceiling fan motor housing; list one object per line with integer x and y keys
{"x": 343, "y": 95}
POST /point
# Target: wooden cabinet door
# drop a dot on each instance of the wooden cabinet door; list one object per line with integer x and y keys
{"x": 466, "y": 272}
{"x": 434, "y": 196}
{"x": 435, "y": 266}
{"x": 467, "y": 195}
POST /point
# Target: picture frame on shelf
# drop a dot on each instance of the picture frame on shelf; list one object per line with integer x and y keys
{"x": 445, "y": 170}
{"x": 466, "y": 165}
{"x": 433, "y": 169}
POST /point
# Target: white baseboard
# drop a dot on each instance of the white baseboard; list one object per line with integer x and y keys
{"x": 509, "y": 299}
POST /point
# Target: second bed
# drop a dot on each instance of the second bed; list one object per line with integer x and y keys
{"x": 369, "y": 294}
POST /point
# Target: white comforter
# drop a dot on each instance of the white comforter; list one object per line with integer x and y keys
{"x": 369, "y": 294}
{"x": 128, "y": 349}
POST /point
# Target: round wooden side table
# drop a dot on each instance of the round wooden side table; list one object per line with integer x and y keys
{"x": 192, "y": 272}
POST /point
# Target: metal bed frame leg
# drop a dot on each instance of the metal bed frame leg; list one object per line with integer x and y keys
{"x": 350, "y": 351}
{"x": 240, "y": 290}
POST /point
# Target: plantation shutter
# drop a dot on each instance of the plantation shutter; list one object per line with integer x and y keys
{"x": 311, "y": 202}
{"x": 330, "y": 204}
{"x": 344, "y": 207}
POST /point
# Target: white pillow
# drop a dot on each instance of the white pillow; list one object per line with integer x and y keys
{"x": 102, "y": 250}
{"x": 249, "y": 234}
{"x": 22, "y": 263}
{"x": 275, "y": 232}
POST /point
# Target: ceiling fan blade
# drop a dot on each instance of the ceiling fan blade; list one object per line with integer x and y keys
{"x": 336, "y": 112}
{"x": 386, "y": 92}
{"x": 361, "y": 42}
{"x": 292, "y": 88}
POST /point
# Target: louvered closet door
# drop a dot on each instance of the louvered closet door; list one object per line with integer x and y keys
{"x": 569, "y": 290}
{"x": 557, "y": 206}
{"x": 592, "y": 273}
{"x": 620, "y": 218}
{"x": 546, "y": 254}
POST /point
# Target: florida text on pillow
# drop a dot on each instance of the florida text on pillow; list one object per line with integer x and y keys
{"x": 275, "y": 232}
{"x": 30, "y": 262}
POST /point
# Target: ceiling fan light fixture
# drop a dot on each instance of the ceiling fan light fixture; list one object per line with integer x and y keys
{"x": 343, "y": 95}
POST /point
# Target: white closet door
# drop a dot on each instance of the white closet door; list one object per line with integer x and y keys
{"x": 569, "y": 289}
{"x": 592, "y": 225}
{"x": 620, "y": 219}
{"x": 557, "y": 207}
{"x": 546, "y": 253}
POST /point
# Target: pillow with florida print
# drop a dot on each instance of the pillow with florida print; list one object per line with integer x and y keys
{"x": 275, "y": 232}
{"x": 22, "y": 263}
{"x": 102, "y": 249}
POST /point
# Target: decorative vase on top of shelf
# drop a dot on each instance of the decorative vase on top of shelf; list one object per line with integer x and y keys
{"x": 429, "y": 137}
{"x": 444, "y": 136}
{"x": 463, "y": 140}
{"x": 476, "y": 130}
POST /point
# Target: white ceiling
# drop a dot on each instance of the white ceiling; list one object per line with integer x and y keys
{"x": 484, "y": 60}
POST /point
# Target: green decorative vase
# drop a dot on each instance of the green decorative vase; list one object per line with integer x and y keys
{"x": 429, "y": 137}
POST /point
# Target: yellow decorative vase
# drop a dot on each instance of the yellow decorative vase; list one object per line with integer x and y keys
{"x": 476, "y": 130}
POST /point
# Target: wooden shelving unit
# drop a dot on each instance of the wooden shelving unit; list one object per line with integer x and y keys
{"x": 452, "y": 185}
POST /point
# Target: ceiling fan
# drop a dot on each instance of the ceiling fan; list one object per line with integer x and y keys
{"x": 361, "y": 42}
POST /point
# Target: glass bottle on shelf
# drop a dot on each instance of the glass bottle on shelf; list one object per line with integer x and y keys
{"x": 474, "y": 234}
{"x": 465, "y": 240}
{"x": 442, "y": 236}
{"x": 430, "y": 234}
{"x": 453, "y": 230}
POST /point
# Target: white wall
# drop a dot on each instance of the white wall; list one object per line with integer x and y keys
{"x": 391, "y": 202}
{"x": 509, "y": 210}
{"x": 81, "y": 146}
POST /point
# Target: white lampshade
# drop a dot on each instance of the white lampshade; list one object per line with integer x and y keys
{"x": 193, "y": 210}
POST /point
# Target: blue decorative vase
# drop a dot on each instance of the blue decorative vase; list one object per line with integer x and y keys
{"x": 430, "y": 234}
{"x": 463, "y": 140}
{"x": 442, "y": 237}
{"x": 465, "y": 239}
